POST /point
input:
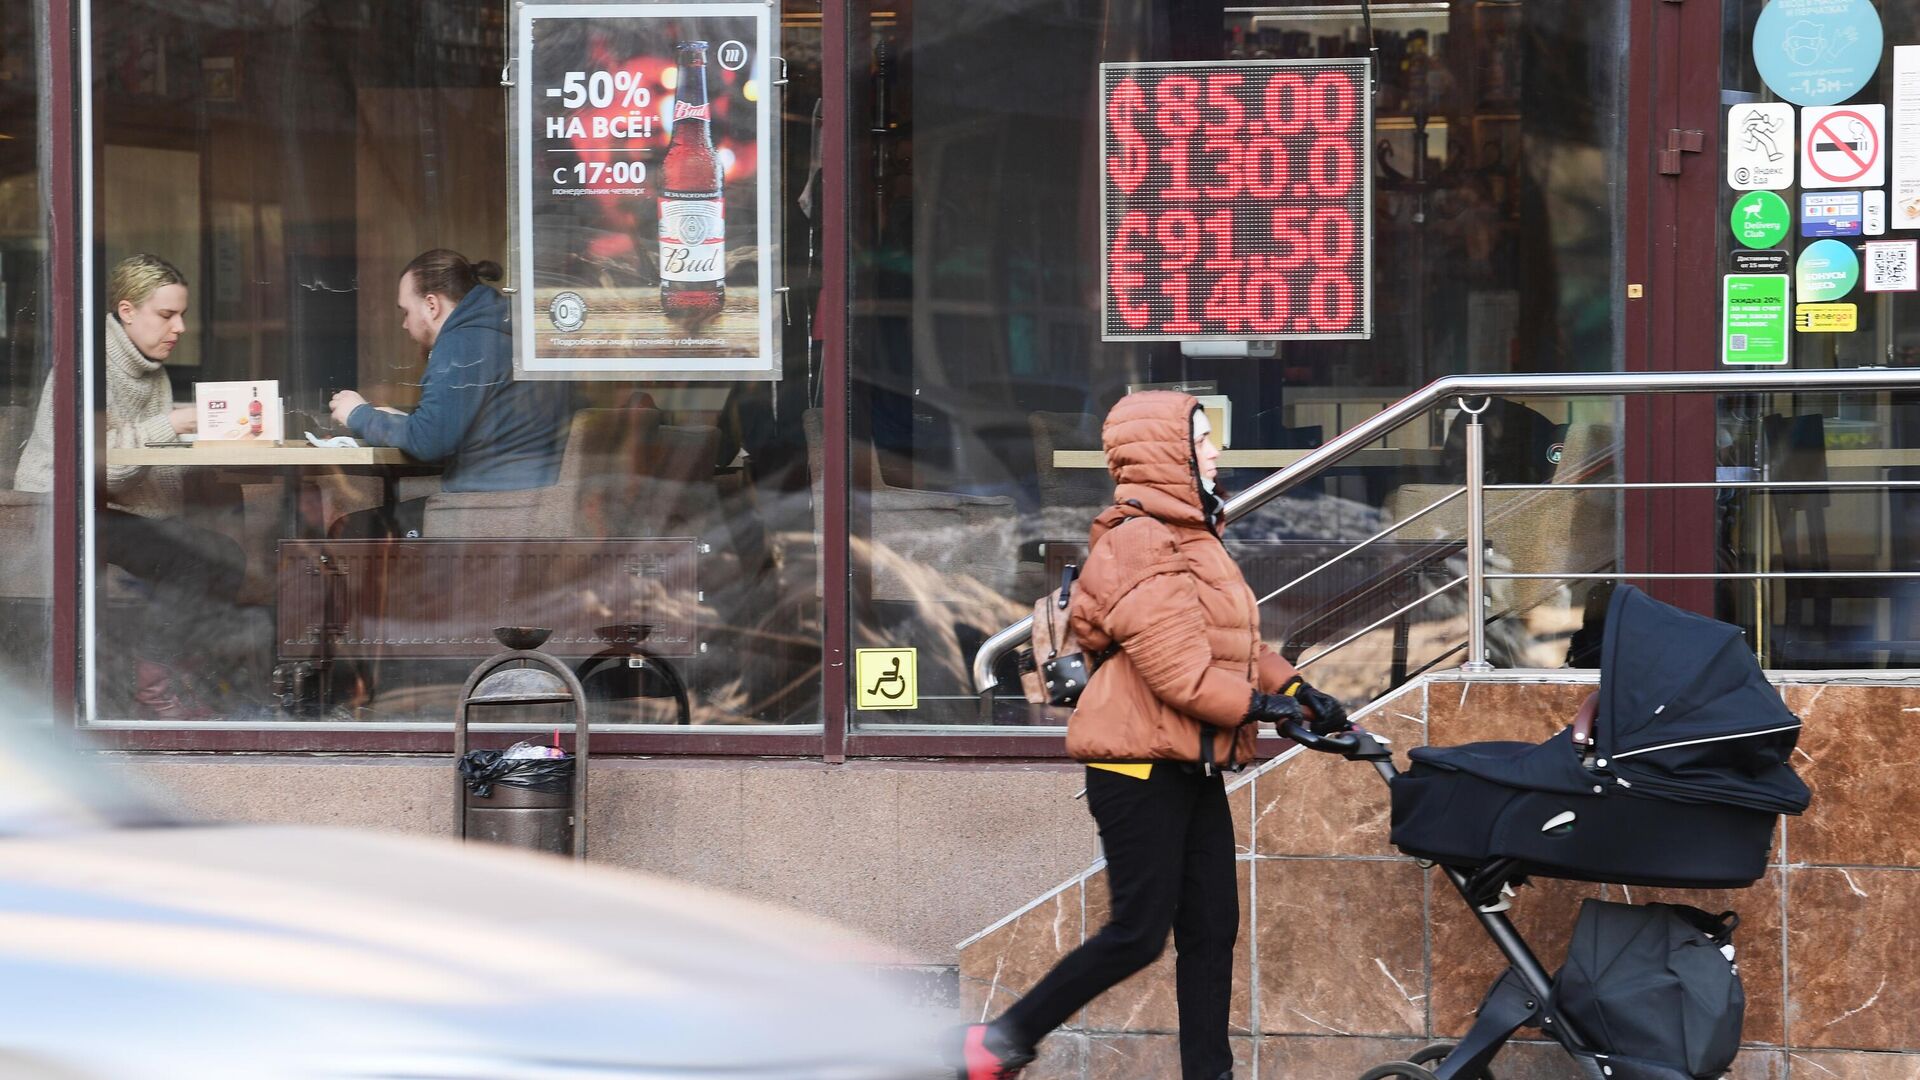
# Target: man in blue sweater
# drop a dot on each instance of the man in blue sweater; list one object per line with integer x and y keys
{"x": 492, "y": 432}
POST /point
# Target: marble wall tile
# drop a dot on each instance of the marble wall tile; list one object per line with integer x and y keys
{"x": 1240, "y": 801}
{"x": 1146, "y": 1002}
{"x": 1470, "y": 711}
{"x": 1317, "y": 804}
{"x": 1341, "y": 946}
{"x": 1755, "y": 1063}
{"x": 1855, "y": 754}
{"x": 998, "y": 968}
{"x": 1287, "y": 1057}
{"x": 1138, "y": 1057}
{"x": 1853, "y": 1065}
{"x": 1465, "y": 960}
{"x": 1063, "y": 1056}
{"x": 1850, "y": 951}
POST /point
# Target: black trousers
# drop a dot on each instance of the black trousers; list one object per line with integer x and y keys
{"x": 193, "y": 575}
{"x": 1169, "y": 847}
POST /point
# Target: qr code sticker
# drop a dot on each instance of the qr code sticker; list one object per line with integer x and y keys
{"x": 1736, "y": 343}
{"x": 1891, "y": 267}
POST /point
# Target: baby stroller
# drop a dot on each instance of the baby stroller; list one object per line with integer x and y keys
{"x": 1672, "y": 775}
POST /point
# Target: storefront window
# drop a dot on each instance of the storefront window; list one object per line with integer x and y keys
{"x": 1841, "y": 235}
{"x": 980, "y": 375}
{"x": 26, "y": 531}
{"x": 263, "y": 176}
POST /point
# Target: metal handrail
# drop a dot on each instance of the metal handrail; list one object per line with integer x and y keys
{"x": 1466, "y": 387}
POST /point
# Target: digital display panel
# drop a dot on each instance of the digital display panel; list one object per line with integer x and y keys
{"x": 1236, "y": 200}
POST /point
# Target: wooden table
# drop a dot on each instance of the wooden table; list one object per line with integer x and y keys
{"x": 239, "y": 454}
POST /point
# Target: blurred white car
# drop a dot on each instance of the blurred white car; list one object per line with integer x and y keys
{"x": 133, "y": 947}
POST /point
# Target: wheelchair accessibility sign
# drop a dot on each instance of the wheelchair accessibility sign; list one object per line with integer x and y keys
{"x": 886, "y": 679}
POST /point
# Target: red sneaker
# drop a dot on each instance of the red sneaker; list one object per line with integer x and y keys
{"x": 987, "y": 1054}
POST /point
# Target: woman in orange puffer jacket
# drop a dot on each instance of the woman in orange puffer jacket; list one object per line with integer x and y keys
{"x": 1183, "y": 687}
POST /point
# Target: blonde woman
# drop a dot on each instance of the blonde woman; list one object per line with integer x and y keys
{"x": 190, "y": 574}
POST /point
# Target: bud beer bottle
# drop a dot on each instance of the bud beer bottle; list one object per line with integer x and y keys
{"x": 693, "y": 224}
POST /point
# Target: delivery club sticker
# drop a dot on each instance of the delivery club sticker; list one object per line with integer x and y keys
{"x": 1760, "y": 219}
{"x": 1827, "y": 270}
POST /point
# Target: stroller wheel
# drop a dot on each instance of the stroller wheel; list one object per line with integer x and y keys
{"x": 1397, "y": 1070}
{"x": 1433, "y": 1055}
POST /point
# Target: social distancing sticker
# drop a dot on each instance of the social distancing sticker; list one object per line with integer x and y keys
{"x": 886, "y": 678}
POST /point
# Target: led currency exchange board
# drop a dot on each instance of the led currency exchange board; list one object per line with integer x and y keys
{"x": 1235, "y": 200}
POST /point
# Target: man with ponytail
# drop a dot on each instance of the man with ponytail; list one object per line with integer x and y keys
{"x": 491, "y": 431}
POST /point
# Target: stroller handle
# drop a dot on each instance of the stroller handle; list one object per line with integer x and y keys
{"x": 1354, "y": 744}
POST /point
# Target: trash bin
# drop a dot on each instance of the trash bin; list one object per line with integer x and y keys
{"x": 519, "y": 802}
{"x": 536, "y": 803}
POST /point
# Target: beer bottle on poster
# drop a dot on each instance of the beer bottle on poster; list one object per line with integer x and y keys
{"x": 693, "y": 222}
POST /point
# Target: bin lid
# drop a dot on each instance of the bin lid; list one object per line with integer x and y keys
{"x": 521, "y": 686}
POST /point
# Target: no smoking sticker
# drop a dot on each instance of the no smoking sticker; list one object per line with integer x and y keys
{"x": 1843, "y": 147}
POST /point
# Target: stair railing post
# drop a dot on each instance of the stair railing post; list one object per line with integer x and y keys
{"x": 1476, "y": 538}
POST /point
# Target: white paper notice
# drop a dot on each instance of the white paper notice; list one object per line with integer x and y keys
{"x": 1904, "y": 127}
{"x": 1873, "y": 212}
{"x": 1890, "y": 266}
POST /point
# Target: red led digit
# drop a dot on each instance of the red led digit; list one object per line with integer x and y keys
{"x": 1174, "y": 288}
{"x": 1178, "y": 188}
{"x": 1288, "y": 232}
{"x": 1221, "y": 95}
{"x": 1263, "y": 168}
{"x": 1330, "y": 298}
{"x": 1265, "y": 297}
{"x": 1335, "y": 102}
{"x": 1128, "y": 167}
{"x": 1179, "y": 235}
{"x": 1330, "y": 167}
{"x": 1332, "y": 235}
{"x": 1280, "y": 104}
{"x": 1223, "y": 304}
{"x": 1125, "y": 279}
{"x": 1219, "y": 229}
{"x": 1178, "y": 114}
{"x": 1226, "y": 165}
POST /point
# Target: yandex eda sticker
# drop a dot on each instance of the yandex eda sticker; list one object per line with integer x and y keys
{"x": 886, "y": 679}
{"x": 1760, "y": 146}
{"x": 1843, "y": 146}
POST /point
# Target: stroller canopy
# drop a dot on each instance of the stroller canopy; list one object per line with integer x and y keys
{"x": 1686, "y": 715}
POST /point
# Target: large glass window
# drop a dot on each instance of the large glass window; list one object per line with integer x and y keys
{"x": 270, "y": 171}
{"x": 1829, "y": 247}
{"x": 980, "y": 377}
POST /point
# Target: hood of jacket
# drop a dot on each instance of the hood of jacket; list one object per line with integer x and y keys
{"x": 482, "y": 307}
{"x": 1148, "y": 438}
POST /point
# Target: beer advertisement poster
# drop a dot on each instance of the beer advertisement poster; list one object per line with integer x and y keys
{"x": 644, "y": 230}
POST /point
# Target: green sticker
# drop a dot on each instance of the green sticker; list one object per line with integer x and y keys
{"x": 1760, "y": 219}
{"x": 1827, "y": 270}
{"x": 1755, "y": 320}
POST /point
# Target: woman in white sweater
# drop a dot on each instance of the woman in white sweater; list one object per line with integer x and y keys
{"x": 191, "y": 573}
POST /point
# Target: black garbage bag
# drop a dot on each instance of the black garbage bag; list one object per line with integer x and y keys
{"x": 482, "y": 769}
{"x": 1651, "y": 982}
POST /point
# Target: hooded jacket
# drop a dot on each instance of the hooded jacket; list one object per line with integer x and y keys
{"x": 1162, "y": 597}
{"x": 493, "y": 431}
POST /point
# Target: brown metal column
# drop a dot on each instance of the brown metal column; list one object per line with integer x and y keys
{"x": 1672, "y": 251}
{"x": 59, "y": 95}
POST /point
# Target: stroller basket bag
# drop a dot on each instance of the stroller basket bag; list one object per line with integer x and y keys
{"x": 1654, "y": 984}
{"x": 1688, "y": 769}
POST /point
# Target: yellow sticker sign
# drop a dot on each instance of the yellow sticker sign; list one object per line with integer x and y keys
{"x": 886, "y": 678}
{"x": 1826, "y": 318}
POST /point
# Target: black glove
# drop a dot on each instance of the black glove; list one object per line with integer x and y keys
{"x": 1328, "y": 714}
{"x": 1276, "y": 709}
